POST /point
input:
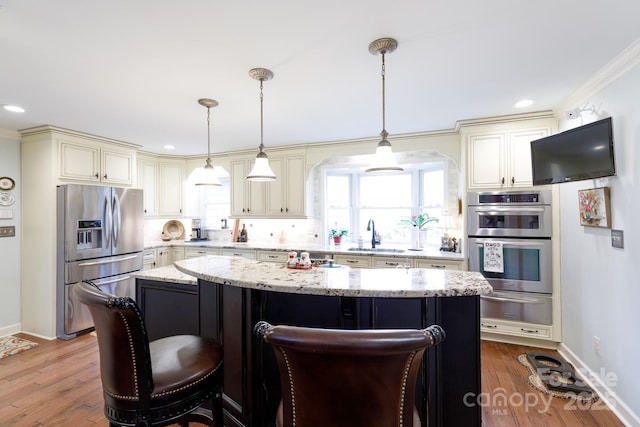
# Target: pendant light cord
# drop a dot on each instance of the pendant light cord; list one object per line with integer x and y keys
{"x": 261, "y": 118}
{"x": 208, "y": 134}
{"x": 384, "y": 130}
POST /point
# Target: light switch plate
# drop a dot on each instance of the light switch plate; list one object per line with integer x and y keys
{"x": 6, "y": 213}
{"x": 8, "y": 231}
{"x": 617, "y": 239}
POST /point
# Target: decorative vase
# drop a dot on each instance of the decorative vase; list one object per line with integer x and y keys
{"x": 422, "y": 237}
{"x": 337, "y": 240}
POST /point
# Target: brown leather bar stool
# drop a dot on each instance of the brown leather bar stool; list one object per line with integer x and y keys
{"x": 151, "y": 383}
{"x": 349, "y": 378}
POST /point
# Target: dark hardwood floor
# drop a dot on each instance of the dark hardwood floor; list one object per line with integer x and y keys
{"x": 58, "y": 384}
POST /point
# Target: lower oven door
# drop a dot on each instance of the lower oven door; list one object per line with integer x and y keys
{"x": 527, "y": 264}
{"x": 520, "y": 306}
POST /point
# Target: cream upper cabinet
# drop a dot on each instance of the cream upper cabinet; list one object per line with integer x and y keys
{"x": 499, "y": 154}
{"x": 171, "y": 181}
{"x": 286, "y": 195}
{"x": 148, "y": 182}
{"x": 162, "y": 180}
{"x": 247, "y": 197}
{"x": 95, "y": 162}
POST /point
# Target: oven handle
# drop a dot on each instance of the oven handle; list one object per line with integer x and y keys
{"x": 490, "y": 210}
{"x": 520, "y": 300}
{"x": 510, "y": 242}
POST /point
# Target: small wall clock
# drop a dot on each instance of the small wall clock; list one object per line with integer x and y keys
{"x": 7, "y": 183}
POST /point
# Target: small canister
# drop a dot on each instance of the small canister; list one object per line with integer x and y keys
{"x": 305, "y": 261}
{"x": 293, "y": 259}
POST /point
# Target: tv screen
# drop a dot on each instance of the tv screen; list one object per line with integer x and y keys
{"x": 584, "y": 152}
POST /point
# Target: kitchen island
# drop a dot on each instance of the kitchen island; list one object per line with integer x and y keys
{"x": 235, "y": 293}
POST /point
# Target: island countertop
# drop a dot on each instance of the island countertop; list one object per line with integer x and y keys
{"x": 342, "y": 281}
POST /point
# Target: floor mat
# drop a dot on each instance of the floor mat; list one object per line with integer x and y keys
{"x": 10, "y": 345}
{"x": 536, "y": 380}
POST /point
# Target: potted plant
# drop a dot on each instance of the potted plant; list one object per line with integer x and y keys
{"x": 421, "y": 223}
{"x": 337, "y": 234}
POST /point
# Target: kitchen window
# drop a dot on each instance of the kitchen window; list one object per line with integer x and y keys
{"x": 353, "y": 197}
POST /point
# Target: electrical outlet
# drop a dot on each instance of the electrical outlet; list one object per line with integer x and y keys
{"x": 596, "y": 345}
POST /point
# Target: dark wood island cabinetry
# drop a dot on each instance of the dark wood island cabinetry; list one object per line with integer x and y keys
{"x": 235, "y": 293}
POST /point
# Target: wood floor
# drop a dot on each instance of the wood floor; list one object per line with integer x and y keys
{"x": 58, "y": 384}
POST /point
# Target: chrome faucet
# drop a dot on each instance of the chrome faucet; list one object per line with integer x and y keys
{"x": 371, "y": 226}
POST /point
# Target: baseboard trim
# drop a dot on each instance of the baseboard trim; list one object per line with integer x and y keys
{"x": 10, "y": 330}
{"x": 596, "y": 382}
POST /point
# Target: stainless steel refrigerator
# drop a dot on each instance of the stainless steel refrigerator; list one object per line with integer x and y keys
{"x": 100, "y": 238}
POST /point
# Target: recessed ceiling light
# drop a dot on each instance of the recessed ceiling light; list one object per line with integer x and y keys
{"x": 14, "y": 108}
{"x": 169, "y": 147}
{"x": 524, "y": 103}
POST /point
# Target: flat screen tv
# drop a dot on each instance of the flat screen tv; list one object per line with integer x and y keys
{"x": 584, "y": 152}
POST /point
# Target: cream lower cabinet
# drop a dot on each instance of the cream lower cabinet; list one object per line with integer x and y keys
{"x": 354, "y": 261}
{"x": 272, "y": 256}
{"x": 149, "y": 259}
{"x": 94, "y": 162}
{"x": 437, "y": 264}
{"x": 499, "y": 154}
{"x": 197, "y": 252}
{"x": 286, "y": 195}
{"x": 244, "y": 253}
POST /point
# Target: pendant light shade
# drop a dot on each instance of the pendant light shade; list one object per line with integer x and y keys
{"x": 206, "y": 174}
{"x": 384, "y": 161}
{"x": 261, "y": 170}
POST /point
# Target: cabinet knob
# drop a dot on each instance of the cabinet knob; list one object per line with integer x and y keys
{"x": 502, "y": 180}
{"x": 286, "y": 210}
{"x": 513, "y": 180}
{"x": 96, "y": 175}
{"x": 281, "y": 210}
{"x": 105, "y": 176}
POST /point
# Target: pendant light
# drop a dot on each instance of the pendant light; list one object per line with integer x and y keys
{"x": 261, "y": 170}
{"x": 384, "y": 161}
{"x": 206, "y": 174}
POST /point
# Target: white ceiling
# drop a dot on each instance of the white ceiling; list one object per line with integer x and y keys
{"x": 134, "y": 70}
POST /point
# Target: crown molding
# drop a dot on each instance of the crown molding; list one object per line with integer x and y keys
{"x": 625, "y": 61}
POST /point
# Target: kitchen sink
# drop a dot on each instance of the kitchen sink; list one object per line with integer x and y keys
{"x": 376, "y": 250}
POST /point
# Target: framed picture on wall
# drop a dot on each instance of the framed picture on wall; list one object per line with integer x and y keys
{"x": 595, "y": 207}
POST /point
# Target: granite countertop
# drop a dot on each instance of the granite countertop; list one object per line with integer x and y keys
{"x": 346, "y": 249}
{"x": 166, "y": 274}
{"x": 341, "y": 281}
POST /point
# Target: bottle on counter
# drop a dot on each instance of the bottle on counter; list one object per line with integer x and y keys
{"x": 243, "y": 234}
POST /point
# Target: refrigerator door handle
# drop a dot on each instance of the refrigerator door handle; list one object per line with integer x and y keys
{"x": 106, "y": 231}
{"x": 115, "y": 211}
{"x": 108, "y": 261}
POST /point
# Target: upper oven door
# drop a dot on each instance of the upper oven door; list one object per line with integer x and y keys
{"x": 510, "y": 221}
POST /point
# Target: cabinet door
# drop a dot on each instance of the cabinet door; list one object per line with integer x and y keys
{"x": 247, "y": 197}
{"x": 170, "y": 194}
{"x": 486, "y": 161}
{"x": 79, "y": 162}
{"x": 519, "y": 156}
{"x": 148, "y": 181}
{"x": 149, "y": 259}
{"x": 177, "y": 254}
{"x": 276, "y": 199}
{"x": 158, "y": 299}
{"x": 286, "y": 195}
{"x": 117, "y": 167}
{"x": 295, "y": 186}
{"x": 163, "y": 257}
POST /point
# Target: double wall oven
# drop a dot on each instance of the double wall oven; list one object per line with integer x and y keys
{"x": 509, "y": 241}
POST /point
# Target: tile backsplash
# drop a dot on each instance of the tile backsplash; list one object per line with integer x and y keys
{"x": 259, "y": 230}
